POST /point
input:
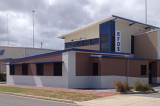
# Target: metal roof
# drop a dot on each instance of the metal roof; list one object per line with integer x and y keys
{"x": 71, "y": 49}
{"x": 113, "y": 17}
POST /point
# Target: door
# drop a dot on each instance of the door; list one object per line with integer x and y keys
{"x": 150, "y": 72}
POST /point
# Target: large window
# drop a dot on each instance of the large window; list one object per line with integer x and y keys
{"x": 39, "y": 69}
{"x": 132, "y": 44}
{"x": 95, "y": 69}
{"x": 143, "y": 69}
{"x": 85, "y": 43}
{"x": 24, "y": 69}
{"x": 69, "y": 45}
{"x": 57, "y": 69}
{"x": 12, "y": 70}
{"x": 78, "y": 43}
{"x": 94, "y": 41}
{"x": 104, "y": 38}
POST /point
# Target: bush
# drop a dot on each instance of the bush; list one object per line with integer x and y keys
{"x": 126, "y": 87}
{"x": 2, "y": 76}
{"x": 119, "y": 86}
{"x": 139, "y": 86}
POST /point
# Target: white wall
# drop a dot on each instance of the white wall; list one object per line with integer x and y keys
{"x": 126, "y": 32}
{"x": 89, "y": 33}
{"x": 43, "y": 81}
{"x": 158, "y": 44}
{"x": 36, "y": 51}
{"x": 12, "y": 52}
{"x": 158, "y": 79}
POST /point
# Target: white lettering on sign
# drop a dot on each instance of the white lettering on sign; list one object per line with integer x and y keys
{"x": 118, "y": 41}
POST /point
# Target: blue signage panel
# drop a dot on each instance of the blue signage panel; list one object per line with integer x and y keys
{"x": 1, "y": 52}
{"x": 118, "y": 41}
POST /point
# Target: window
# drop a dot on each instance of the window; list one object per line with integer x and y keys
{"x": 104, "y": 47}
{"x": 95, "y": 69}
{"x": 57, "y": 69}
{"x": 78, "y": 43}
{"x": 132, "y": 44}
{"x": 85, "y": 43}
{"x": 104, "y": 40}
{"x": 104, "y": 35}
{"x": 113, "y": 42}
{"x": 94, "y": 41}
{"x": 12, "y": 70}
{"x": 39, "y": 69}
{"x": 143, "y": 69}
{"x": 24, "y": 69}
{"x": 69, "y": 45}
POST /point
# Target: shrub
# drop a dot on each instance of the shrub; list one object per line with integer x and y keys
{"x": 119, "y": 86}
{"x": 2, "y": 76}
{"x": 139, "y": 86}
{"x": 126, "y": 87}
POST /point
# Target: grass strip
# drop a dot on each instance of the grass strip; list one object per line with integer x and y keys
{"x": 75, "y": 96}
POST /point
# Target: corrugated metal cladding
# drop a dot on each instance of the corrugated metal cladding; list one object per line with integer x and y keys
{"x": 107, "y": 28}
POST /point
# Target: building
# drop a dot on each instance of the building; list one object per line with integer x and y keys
{"x": 9, "y": 52}
{"x": 113, "y": 48}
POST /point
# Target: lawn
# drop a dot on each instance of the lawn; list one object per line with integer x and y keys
{"x": 75, "y": 96}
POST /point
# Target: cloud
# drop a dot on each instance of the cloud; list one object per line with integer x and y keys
{"x": 53, "y": 18}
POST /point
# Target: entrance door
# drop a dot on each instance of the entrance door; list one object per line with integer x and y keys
{"x": 150, "y": 72}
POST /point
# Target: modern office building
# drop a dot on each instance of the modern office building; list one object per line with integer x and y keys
{"x": 9, "y": 53}
{"x": 113, "y": 48}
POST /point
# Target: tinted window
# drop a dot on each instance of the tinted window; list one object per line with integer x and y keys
{"x": 85, "y": 42}
{"x": 76, "y": 44}
{"x": 104, "y": 40}
{"x": 132, "y": 44}
{"x": 69, "y": 45}
{"x": 104, "y": 47}
{"x": 39, "y": 69}
{"x": 143, "y": 69}
{"x": 95, "y": 68}
{"x": 57, "y": 69}
{"x": 104, "y": 35}
{"x": 94, "y": 41}
{"x": 24, "y": 69}
{"x": 12, "y": 70}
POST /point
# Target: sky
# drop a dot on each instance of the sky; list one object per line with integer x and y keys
{"x": 53, "y": 18}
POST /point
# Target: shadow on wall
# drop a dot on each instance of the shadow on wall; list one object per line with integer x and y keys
{"x": 146, "y": 45}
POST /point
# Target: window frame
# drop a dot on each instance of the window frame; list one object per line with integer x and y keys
{"x": 12, "y": 72}
{"x": 23, "y": 71}
{"x": 142, "y": 73}
{"x": 40, "y": 73}
{"x": 56, "y": 72}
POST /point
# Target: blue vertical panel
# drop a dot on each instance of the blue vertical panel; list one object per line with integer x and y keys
{"x": 112, "y": 31}
{"x": 108, "y": 27}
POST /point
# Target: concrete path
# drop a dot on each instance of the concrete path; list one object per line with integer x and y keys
{"x": 122, "y": 100}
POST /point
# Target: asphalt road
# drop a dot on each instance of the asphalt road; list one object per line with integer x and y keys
{"x": 8, "y": 100}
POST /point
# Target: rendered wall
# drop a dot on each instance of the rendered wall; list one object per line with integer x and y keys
{"x": 92, "y": 32}
{"x": 44, "y": 81}
{"x": 36, "y": 51}
{"x": 146, "y": 45}
{"x": 126, "y": 32}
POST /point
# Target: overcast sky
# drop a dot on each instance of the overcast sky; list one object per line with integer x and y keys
{"x": 57, "y": 17}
